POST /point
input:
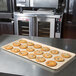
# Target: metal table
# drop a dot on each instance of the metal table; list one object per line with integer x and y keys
{"x": 13, "y": 64}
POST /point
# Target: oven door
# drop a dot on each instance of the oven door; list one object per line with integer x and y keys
{"x": 6, "y": 6}
{"x": 25, "y": 26}
{"x": 45, "y": 27}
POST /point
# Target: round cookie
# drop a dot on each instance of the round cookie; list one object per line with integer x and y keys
{"x": 31, "y": 56}
{"x": 30, "y": 43}
{"x": 59, "y": 59}
{"x": 16, "y": 44}
{"x": 8, "y": 47}
{"x": 47, "y": 55}
{"x": 37, "y": 46}
{"x": 38, "y": 52}
{"x": 23, "y": 46}
{"x": 65, "y": 55}
{"x": 22, "y": 41}
{"x": 30, "y": 49}
{"x": 23, "y": 53}
{"x": 15, "y": 50}
{"x": 51, "y": 63}
{"x": 40, "y": 59}
{"x": 54, "y": 52}
{"x": 45, "y": 49}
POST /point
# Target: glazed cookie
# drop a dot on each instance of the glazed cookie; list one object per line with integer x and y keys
{"x": 51, "y": 63}
{"x": 23, "y": 46}
{"x": 38, "y": 52}
{"x": 30, "y": 49}
{"x": 47, "y": 55}
{"x": 30, "y": 44}
{"x": 23, "y": 53}
{"x": 40, "y": 59}
{"x": 45, "y": 49}
{"x": 31, "y": 56}
{"x": 15, "y": 50}
{"x": 54, "y": 52}
{"x": 59, "y": 59}
{"x": 37, "y": 46}
{"x": 8, "y": 47}
{"x": 22, "y": 41}
{"x": 16, "y": 44}
{"x": 65, "y": 55}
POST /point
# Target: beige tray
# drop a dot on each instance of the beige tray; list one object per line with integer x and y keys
{"x": 59, "y": 64}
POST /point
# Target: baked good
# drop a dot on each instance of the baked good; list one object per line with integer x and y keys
{"x": 22, "y": 41}
{"x": 23, "y": 46}
{"x": 37, "y": 46}
{"x": 65, "y": 55}
{"x": 30, "y": 43}
{"x": 31, "y": 56}
{"x": 51, "y": 63}
{"x": 59, "y": 59}
{"x": 38, "y": 52}
{"x": 47, "y": 55}
{"x": 23, "y": 53}
{"x": 16, "y": 44}
{"x": 30, "y": 49}
{"x": 40, "y": 59}
{"x": 54, "y": 52}
{"x": 45, "y": 49}
{"x": 8, "y": 47}
{"x": 15, "y": 50}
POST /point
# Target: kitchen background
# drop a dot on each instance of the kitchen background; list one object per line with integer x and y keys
{"x": 13, "y": 22}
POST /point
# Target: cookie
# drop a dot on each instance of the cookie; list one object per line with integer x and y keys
{"x": 65, "y": 55}
{"x": 31, "y": 56}
{"x": 45, "y": 49}
{"x": 59, "y": 59}
{"x": 30, "y": 44}
{"x": 30, "y": 49}
{"x": 8, "y": 47}
{"x": 16, "y": 44}
{"x": 47, "y": 55}
{"x": 37, "y": 46}
{"x": 22, "y": 41}
{"x": 15, "y": 50}
{"x": 51, "y": 63}
{"x": 40, "y": 59}
{"x": 54, "y": 52}
{"x": 23, "y": 53}
{"x": 38, "y": 52}
{"x": 23, "y": 46}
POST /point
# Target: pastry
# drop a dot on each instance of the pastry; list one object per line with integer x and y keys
{"x": 65, "y": 55}
{"x": 54, "y": 52}
{"x": 23, "y": 53}
{"x": 31, "y": 56}
{"x": 40, "y": 59}
{"x": 47, "y": 55}
{"x": 23, "y": 46}
{"x": 59, "y": 59}
{"x": 22, "y": 41}
{"x": 8, "y": 47}
{"x": 30, "y": 44}
{"x": 51, "y": 63}
{"x": 15, "y": 50}
{"x": 38, "y": 52}
{"x": 37, "y": 46}
{"x": 30, "y": 49}
{"x": 16, "y": 44}
{"x": 45, "y": 49}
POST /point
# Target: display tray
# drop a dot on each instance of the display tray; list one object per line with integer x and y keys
{"x": 45, "y": 55}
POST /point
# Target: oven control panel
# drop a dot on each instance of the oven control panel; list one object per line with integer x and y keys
{"x": 58, "y": 26}
{"x": 22, "y": 3}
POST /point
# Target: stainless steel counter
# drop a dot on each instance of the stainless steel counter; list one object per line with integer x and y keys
{"x": 12, "y": 64}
